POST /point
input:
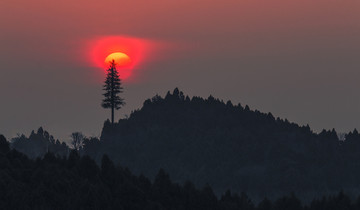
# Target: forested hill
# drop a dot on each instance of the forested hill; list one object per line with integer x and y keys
{"x": 230, "y": 146}
{"x": 78, "y": 182}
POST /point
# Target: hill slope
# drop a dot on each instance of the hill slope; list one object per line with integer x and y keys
{"x": 78, "y": 182}
{"x": 230, "y": 146}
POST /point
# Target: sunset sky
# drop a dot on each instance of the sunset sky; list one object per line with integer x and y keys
{"x": 298, "y": 59}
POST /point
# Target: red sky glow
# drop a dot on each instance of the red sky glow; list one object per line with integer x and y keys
{"x": 298, "y": 59}
{"x": 137, "y": 49}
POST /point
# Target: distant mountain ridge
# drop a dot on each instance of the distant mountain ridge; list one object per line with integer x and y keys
{"x": 230, "y": 146}
{"x": 38, "y": 144}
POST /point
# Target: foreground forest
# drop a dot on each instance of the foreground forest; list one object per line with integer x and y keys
{"x": 54, "y": 182}
{"x": 226, "y": 146}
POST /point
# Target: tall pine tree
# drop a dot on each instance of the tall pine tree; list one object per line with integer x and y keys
{"x": 112, "y": 90}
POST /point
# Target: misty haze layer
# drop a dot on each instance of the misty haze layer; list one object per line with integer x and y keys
{"x": 297, "y": 59}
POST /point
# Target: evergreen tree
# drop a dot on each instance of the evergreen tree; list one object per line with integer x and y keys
{"x": 112, "y": 90}
{"x": 4, "y": 145}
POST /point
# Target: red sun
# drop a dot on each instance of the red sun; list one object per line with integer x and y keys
{"x": 122, "y": 61}
{"x": 128, "y": 53}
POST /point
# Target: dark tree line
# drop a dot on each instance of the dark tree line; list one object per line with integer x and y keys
{"x": 228, "y": 146}
{"x": 232, "y": 146}
{"x": 38, "y": 144}
{"x": 55, "y": 182}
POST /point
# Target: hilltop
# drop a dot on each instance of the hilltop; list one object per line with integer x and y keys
{"x": 227, "y": 146}
{"x": 231, "y": 146}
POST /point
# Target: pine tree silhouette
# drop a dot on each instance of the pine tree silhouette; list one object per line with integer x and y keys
{"x": 112, "y": 90}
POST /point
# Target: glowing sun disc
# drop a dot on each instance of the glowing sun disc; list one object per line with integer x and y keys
{"x": 121, "y": 59}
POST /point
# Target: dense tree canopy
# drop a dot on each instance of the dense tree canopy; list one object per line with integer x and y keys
{"x": 78, "y": 182}
{"x": 38, "y": 144}
{"x": 232, "y": 146}
{"x": 226, "y": 146}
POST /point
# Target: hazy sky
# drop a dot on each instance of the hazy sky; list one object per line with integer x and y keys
{"x": 298, "y": 59}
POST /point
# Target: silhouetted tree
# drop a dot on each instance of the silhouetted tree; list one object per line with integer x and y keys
{"x": 112, "y": 90}
{"x": 77, "y": 140}
{"x": 288, "y": 202}
{"x": 107, "y": 166}
{"x": 4, "y": 145}
{"x": 265, "y": 205}
{"x": 38, "y": 144}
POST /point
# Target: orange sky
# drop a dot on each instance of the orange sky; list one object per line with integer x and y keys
{"x": 297, "y": 59}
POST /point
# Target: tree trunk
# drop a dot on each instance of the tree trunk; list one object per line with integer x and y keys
{"x": 112, "y": 114}
{"x": 112, "y": 96}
